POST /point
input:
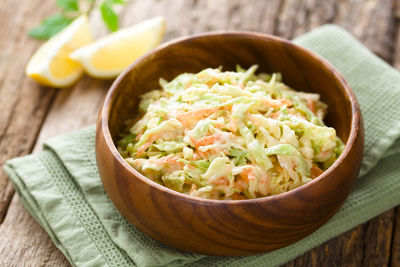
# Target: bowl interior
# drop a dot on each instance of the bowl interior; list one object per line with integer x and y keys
{"x": 301, "y": 70}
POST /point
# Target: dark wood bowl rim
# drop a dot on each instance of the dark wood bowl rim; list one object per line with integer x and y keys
{"x": 107, "y": 105}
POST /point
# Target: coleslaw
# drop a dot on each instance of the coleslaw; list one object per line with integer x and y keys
{"x": 230, "y": 135}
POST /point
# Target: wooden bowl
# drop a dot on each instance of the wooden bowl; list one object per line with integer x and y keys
{"x": 239, "y": 227}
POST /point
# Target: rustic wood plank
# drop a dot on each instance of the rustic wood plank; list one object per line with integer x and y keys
{"x": 395, "y": 257}
{"x": 23, "y": 103}
{"x": 298, "y": 17}
{"x": 73, "y": 109}
{"x": 192, "y": 17}
{"x": 372, "y": 22}
{"x": 28, "y": 244}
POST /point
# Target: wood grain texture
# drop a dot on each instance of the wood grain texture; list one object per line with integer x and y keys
{"x": 372, "y": 21}
{"x": 228, "y": 228}
{"x": 81, "y": 102}
{"x": 395, "y": 251}
{"x": 23, "y": 104}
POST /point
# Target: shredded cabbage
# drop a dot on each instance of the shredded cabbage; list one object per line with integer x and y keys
{"x": 230, "y": 135}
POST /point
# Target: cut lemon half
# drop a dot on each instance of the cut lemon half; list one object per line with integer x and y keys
{"x": 110, "y": 55}
{"x": 51, "y": 65}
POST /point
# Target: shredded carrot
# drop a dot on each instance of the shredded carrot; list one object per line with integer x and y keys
{"x": 188, "y": 85}
{"x": 325, "y": 153}
{"x": 220, "y": 181}
{"x": 188, "y": 118}
{"x": 219, "y": 125}
{"x": 149, "y": 142}
{"x": 192, "y": 189}
{"x": 233, "y": 125}
{"x": 276, "y": 103}
{"x": 167, "y": 160}
{"x": 208, "y": 140}
{"x": 227, "y": 107}
{"x": 241, "y": 185}
{"x": 209, "y": 153}
{"x": 311, "y": 105}
{"x": 196, "y": 156}
{"x": 143, "y": 148}
{"x": 275, "y": 115}
{"x": 211, "y": 82}
{"x": 247, "y": 174}
{"x": 139, "y": 135}
{"x": 205, "y": 140}
{"x": 251, "y": 176}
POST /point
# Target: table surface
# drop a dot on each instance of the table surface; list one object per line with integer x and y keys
{"x": 31, "y": 113}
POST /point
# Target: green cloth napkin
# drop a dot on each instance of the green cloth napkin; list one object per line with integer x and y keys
{"x": 62, "y": 190}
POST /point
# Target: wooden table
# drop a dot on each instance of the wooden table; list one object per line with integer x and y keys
{"x": 31, "y": 113}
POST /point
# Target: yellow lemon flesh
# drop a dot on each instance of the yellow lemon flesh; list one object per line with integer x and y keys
{"x": 110, "y": 55}
{"x": 51, "y": 65}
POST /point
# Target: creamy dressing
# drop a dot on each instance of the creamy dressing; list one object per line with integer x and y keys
{"x": 230, "y": 135}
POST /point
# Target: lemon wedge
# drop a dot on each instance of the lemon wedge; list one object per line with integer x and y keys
{"x": 110, "y": 55}
{"x": 51, "y": 65}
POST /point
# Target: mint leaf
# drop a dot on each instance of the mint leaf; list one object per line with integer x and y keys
{"x": 109, "y": 16}
{"x": 118, "y": 2}
{"x": 50, "y": 27}
{"x": 68, "y": 5}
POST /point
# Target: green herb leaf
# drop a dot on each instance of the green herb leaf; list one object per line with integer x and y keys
{"x": 118, "y": 2}
{"x": 50, "y": 27}
{"x": 70, "y": 10}
{"x": 68, "y": 5}
{"x": 109, "y": 16}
